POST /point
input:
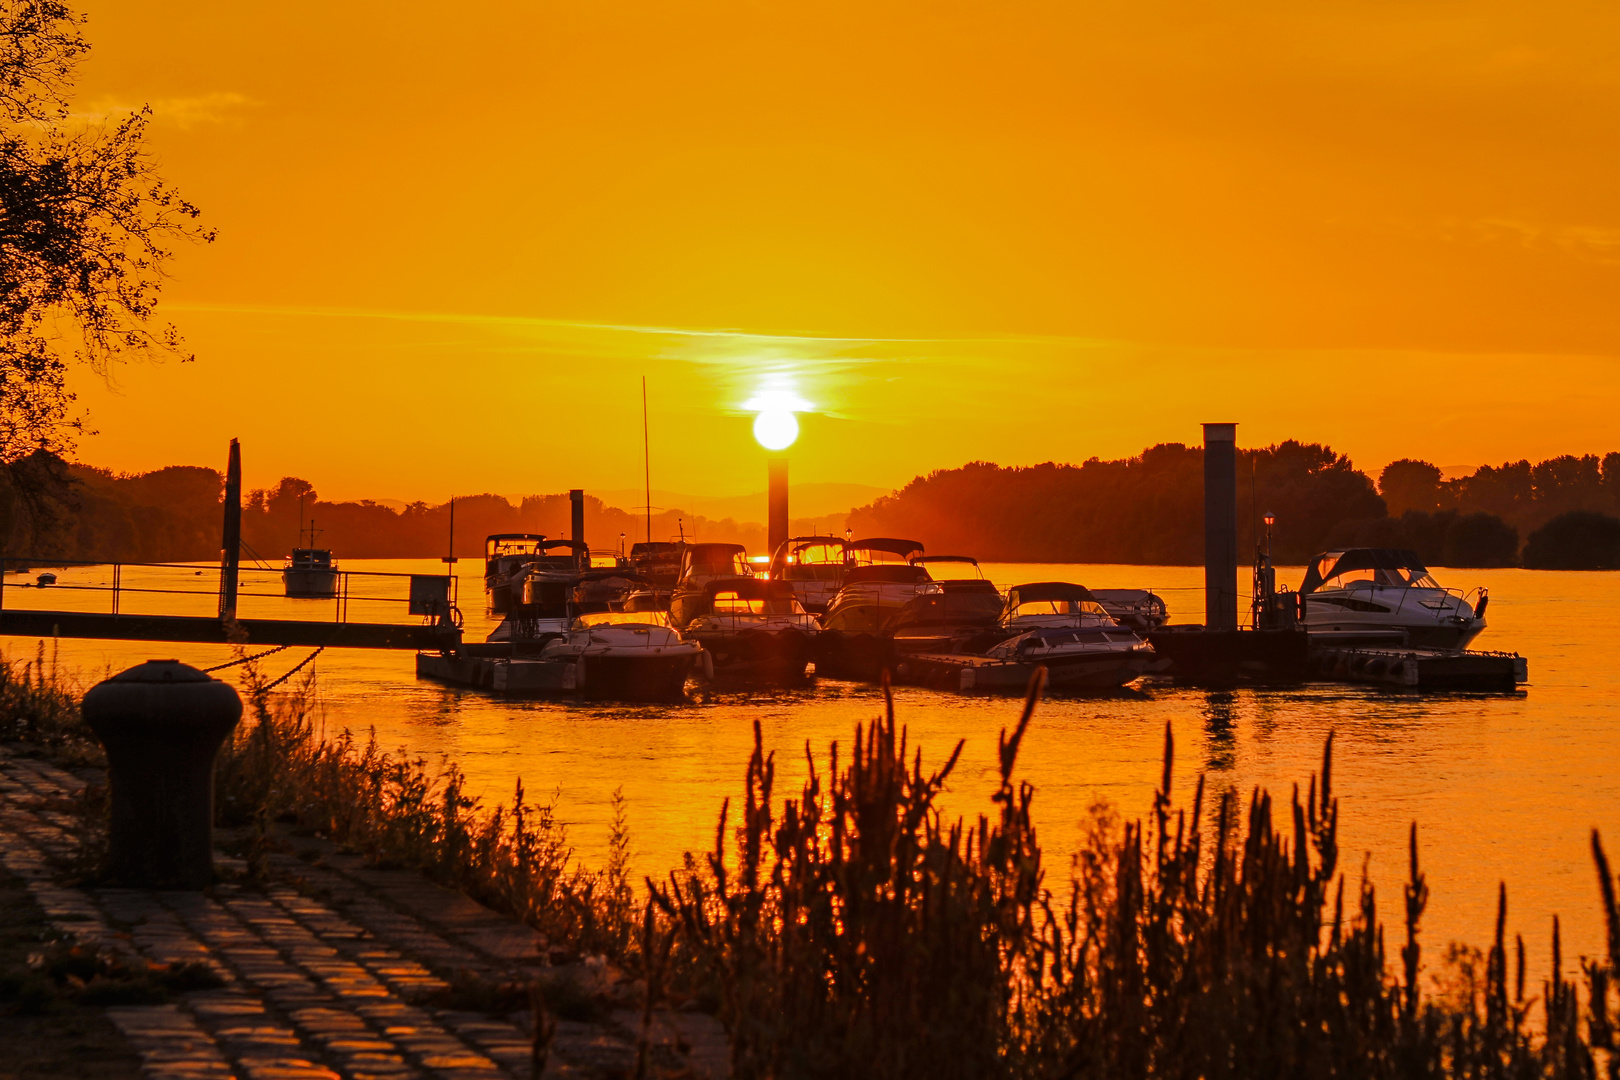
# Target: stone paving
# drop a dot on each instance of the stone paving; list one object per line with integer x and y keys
{"x": 330, "y": 969}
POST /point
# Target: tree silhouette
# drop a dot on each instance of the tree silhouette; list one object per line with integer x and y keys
{"x": 86, "y": 227}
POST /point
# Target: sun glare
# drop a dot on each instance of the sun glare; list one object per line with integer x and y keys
{"x": 776, "y": 429}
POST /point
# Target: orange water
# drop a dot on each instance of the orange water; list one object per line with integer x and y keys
{"x": 1502, "y": 787}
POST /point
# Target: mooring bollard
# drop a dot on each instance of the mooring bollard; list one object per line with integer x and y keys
{"x": 162, "y": 724}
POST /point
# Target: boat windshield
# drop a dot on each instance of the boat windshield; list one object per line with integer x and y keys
{"x": 815, "y": 562}
{"x": 623, "y": 618}
{"x": 1391, "y": 577}
{"x": 729, "y": 603}
{"x": 951, "y": 567}
{"x": 1059, "y": 607}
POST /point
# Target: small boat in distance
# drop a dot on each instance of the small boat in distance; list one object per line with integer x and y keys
{"x": 310, "y": 573}
{"x": 1375, "y": 594}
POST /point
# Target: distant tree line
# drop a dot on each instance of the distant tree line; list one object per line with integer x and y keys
{"x": 175, "y": 514}
{"x": 1150, "y": 509}
{"x": 1143, "y": 509}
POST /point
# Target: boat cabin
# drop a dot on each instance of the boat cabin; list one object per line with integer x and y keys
{"x": 809, "y": 558}
{"x": 505, "y": 552}
{"x": 1390, "y": 568}
{"x": 700, "y": 562}
{"x": 311, "y": 559}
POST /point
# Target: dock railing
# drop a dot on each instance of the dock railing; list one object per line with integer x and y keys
{"x": 368, "y": 595}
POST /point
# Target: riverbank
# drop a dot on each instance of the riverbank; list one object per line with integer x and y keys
{"x": 313, "y": 964}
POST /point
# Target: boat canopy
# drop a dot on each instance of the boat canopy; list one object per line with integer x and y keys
{"x": 1384, "y": 566}
{"x": 807, "y": 550}
{"x": 903, "y": 573}
{"x": 873, "y": 550}
{"x": 512, "y": 543}
{"x": 648, "y": 548}
{"x": 935, "y": 562}
{"x": 715, "y": 560}
{"x": 1038, "y": 591}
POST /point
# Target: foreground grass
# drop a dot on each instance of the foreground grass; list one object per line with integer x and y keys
{"x": 856, "y": 931}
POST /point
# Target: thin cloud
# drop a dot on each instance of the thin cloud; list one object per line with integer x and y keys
{"x": 185, "y": 113}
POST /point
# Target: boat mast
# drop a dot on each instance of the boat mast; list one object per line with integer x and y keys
{"x": 646, "y": 457}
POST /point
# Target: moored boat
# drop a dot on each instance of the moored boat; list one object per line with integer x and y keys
{"x": 701, "y": 564}
{"x": 505, "y": 555}
{"x": 309, "y": 573}
{"x": 625, "y": 656}
{"x": 1060, "y": 626}
{"x": 813, "y": 566}
{"x": 754, "y": 629}
{"x": 1385, "y": 595}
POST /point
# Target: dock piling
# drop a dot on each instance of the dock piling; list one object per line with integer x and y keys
{"x": 1220, "y": 527}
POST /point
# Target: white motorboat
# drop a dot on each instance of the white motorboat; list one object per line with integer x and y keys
{"x": 813, "y": 566}
{"x": 309, "y": 573}
{"x": 701, "y": 564}
{"x": 625, "y": 655}
{"x": 754, "y": 629}
{"x": 1060, "y": 626}
{"x": 505, "y": 555}
{"x": 1373, "y": 595}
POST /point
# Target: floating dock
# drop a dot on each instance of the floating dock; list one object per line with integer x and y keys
{"x": 502, "y": 675}
{"x": 1422, "y": 669}
{"x": 1203, "y": 655}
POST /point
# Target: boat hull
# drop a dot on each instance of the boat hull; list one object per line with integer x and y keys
{"x": 756, "y": 655}
{"x": 608, "y": 678}
{"x": 310, "y": 584}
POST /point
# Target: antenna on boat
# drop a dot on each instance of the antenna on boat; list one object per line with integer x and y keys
{"x": 646, "y": 457}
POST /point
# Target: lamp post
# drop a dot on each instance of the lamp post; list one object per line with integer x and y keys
{"x": 775, "y": 430}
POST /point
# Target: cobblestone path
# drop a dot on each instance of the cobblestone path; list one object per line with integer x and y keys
{"x": 329, "y": 970}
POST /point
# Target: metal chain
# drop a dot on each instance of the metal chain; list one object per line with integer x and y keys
{"x": 246, "y": 659}
{"x": 295, "y": 670}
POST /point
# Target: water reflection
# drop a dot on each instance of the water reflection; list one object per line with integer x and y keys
{"x": 1502, "y": 786}
{"x": 1220, "y": 724}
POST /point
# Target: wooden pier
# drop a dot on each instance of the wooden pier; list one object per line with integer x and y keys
{"x": 215, "y": 631}
{"x": 1422, "y": 669}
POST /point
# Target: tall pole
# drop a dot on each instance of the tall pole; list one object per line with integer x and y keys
{"x": 230, "y": 553}
{"x": 576, "y": 517}
{"x": 1220, "y": 526}
{"x": 646, "y": 456}
{"x": 776, "y": 506}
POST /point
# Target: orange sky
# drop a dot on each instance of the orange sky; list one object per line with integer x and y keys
{"x": 452, "y": 238}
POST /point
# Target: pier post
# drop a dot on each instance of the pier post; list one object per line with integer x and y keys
{"x": 576, "y": 515}
{"x": 162, "y": 724}
{"x": 1220, "y": 527}
{"x": 230, "y": 553}
{"x": 776, "y": 516}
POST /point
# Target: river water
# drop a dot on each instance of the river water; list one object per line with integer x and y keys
{"x": 1503, "y": 787}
